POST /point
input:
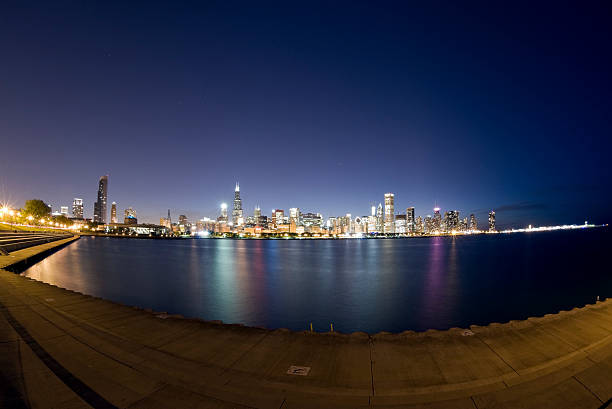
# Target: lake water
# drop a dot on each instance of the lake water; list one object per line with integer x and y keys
{"x": 358, "y": 285}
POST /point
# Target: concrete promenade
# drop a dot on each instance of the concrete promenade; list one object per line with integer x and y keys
{"x": 62, "y": 349}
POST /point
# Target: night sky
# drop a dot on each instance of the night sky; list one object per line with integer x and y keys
{"x": 319, "y": 106}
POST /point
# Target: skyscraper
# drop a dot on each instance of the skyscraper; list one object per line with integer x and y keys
{"x": 473, "y": 223}
{"x": 182, "y": 220}
{"x": 294, "y": 216}
{"x": 100, "y": 204}
{"x": 492, "y": 220}
{"x": 237, "y": 216}
{"x": 389, "y": 213}
{"x": 418, "y": 223}
{"x": 223, "y": 217}
{"x": 77, "y": 208}
{"x": 410, "y": 227}
{"x": 257, "y": 216}
{"x": 114, "y": 212}
{"x": 437, "y": 220}
{"x": 380, "y": 224}
{"x": 278, "y": 217}
{"x": 451, "y": 221}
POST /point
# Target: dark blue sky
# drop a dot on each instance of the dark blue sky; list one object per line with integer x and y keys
{"x": 320, "y": 106}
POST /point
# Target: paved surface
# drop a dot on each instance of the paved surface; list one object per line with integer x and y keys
{"x": 61, "y": 349}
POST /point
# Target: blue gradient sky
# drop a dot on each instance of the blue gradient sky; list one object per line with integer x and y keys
{"x": 320, "y": 106}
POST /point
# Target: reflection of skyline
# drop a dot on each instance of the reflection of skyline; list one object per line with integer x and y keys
{"x": 367, "y": 285}
{"x": 440, "y": 280}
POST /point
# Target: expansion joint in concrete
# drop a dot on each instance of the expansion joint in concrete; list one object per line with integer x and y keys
{"x": 587, "y": 388}
{"x": 70, "y": 380}
{"x": 245, "y": 353}
{"x": 499, "y": 356}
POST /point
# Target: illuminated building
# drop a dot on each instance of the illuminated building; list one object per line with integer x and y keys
{"x": 199, "y": 226}
{"x": 283, "y": 228}
{"x": 263, "y": 222}
{"x": 372, "y": 224}
{"x": 379, "y": 219}
{"x": 278, "y": 217}
{"x": 418, "y": 225}
{"x": 437, "y": 221}
{"x": 237, "y": 216}
{"x": 347, "y": 224}
{"x": 463, "y": 225}
{"x": 410, "y": 227}
{"x": 400, "y": 224}
{"x": 64, "y": 210}
{"x": 183, "y": 224}
{"x": 100, "y": 204}
{"x": 428, "y": 225}
{"x": 223, "y": 217}
{"x": 492, "y": 220}
{"x": 77, "y": 208}
{"x": 164, "y": 222}
{"x": 451, "y": 221}
{"x": 473, "y": 223}
{"x": 333, "y": 225}
{"x": 130, "y": 216}
{"x": 312, "y": 219}
{"x": 114, "y": 212}
{"x": 360, "y": 225}
{"x": 258, "y": 219}
{"x": 389, "y": 213}
{"x": 294, "y": 216}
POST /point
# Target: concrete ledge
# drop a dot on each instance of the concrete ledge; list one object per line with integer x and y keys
{"x": 134, "y": 358}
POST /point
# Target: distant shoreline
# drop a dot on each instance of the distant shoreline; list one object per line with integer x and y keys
{"x": 367, "y": 237}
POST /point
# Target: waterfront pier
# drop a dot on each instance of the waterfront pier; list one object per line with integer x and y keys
{"x": 62, "y": 349}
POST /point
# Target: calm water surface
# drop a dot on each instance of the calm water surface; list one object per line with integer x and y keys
{"x": 365, "y": 285}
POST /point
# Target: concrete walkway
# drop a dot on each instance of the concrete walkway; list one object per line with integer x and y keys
{"x": 61, "y": 349}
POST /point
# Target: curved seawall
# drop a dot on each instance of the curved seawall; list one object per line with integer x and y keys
{"x": 65, "y": 349}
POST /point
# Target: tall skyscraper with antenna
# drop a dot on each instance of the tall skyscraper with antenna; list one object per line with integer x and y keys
{"x": 237, "y": 216}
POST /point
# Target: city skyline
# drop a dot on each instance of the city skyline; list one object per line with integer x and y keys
{"x": 427, "y": 102}
{"x": 387, "y": 216}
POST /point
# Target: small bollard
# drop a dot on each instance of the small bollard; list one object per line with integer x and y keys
{"x": 332, "y": 327}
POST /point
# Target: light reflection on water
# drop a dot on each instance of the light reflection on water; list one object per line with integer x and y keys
{"x": 368, "y": 285}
